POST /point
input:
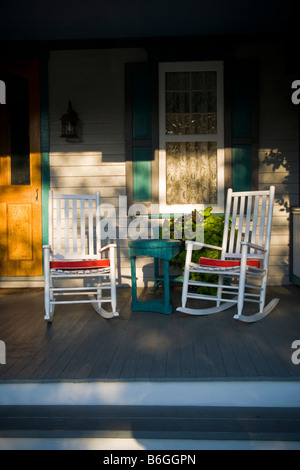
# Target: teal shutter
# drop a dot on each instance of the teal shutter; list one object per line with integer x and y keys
{"x": 142, "y": 174}
{"x": 141, "y": 132}
{"x": 45, "y": 143}
{"x": 241, "y": 167}
{"x": 141, "y": 103}
{"x": 244, "y": 126}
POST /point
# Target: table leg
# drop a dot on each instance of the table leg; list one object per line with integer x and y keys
{"x": 133, "y": 280}
{"x": 168, "y": 307}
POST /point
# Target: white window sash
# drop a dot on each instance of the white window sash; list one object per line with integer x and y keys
{"x": 163, "y": 137}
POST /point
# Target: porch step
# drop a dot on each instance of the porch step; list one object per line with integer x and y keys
{"x": 189, "y": 423}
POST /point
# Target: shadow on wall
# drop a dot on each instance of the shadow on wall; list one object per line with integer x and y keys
{"x": 276, "y": 159}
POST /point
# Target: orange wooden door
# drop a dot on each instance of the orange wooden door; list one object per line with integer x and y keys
{"x": 20, "y": 171}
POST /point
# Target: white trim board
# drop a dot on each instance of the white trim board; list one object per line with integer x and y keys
{"x": 204, "y": 393}
{"x": 15, "y": 282}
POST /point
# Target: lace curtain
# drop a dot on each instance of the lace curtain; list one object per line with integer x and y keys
{"x": 191, "y": 109}
{"x": 191, "y": 175}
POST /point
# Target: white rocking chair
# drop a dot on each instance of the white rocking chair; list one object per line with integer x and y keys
{"x": 74, "y": 252}
{"x": 243, "y": 265}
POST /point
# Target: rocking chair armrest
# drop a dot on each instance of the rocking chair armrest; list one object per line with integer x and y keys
{"x": 107, "y": 247}
{"x": 202, "y": 245}
{"x": 255, "y": 247}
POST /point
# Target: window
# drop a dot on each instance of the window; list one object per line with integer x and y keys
{"x": 191, "y": 136}
{"x": 14, "y": 138}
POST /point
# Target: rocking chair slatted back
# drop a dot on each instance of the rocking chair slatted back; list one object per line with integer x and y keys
{"x": 76, "y": 231}
{"x": 248, "y": 218}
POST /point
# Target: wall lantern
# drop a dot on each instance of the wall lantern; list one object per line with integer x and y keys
{"x": 69, "y": 124}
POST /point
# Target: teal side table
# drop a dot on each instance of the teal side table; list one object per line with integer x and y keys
{"x": 157, "y": 249}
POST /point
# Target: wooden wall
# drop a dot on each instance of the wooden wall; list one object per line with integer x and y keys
{"x": 93, "y": 80}
{"x": 278, "y": 147}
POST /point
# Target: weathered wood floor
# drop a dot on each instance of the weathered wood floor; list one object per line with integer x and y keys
{"x": 80, "y": 345}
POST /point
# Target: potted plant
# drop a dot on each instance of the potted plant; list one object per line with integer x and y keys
{"x": 213, "y": 226}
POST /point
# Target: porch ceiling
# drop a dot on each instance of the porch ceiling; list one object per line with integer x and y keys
{"x": 42, "y": 21}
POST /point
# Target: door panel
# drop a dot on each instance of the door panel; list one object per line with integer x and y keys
{"x": 19, "y": 224}
{"x": 20, "y": 172}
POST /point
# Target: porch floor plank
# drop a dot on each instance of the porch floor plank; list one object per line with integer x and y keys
{"x": 81, "y": 345}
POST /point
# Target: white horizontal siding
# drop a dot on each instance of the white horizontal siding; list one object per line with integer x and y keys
{"x": 278, "y": 153}
{"x": 278, "y": 147}
{"x": 93, "y": 80}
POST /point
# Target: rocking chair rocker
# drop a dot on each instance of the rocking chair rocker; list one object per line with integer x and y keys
{"x": 74, "y": 252}
{"x": 242, "y": 269}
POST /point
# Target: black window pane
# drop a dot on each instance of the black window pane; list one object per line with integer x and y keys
{"x": 19, "y": 112}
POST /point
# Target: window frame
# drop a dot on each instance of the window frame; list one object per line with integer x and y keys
{"x": 199, "y": 66}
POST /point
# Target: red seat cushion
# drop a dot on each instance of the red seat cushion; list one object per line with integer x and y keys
{"x": 218, "y": 263}
{"x": 88, "y": 264}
